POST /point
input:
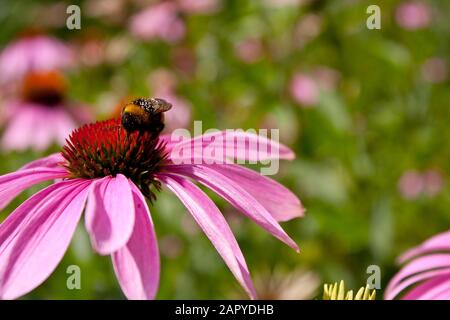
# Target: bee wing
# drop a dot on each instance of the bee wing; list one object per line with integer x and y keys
{"x": 161, "y": 105}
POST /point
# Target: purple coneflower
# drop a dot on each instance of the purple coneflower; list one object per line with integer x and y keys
{"x": 41, "y": 115}
{"x": 426, "y": 276}
{"x": 112, "y": 170}
{"x": 33, "y": 53}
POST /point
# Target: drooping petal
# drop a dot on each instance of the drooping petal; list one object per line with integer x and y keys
{"x": 52, "y": 161}
{"x": 421, "y": 264}
{"x": 14, "y": 183}
{"x": 36, "y": 235}
{"x": 282, "y": 204}
{"x": 440, "y": 292}
{"x": 137, "y": 264}
{"x": 110, "y": 214}
{"x": 419, "y": 291}
{"x": 439, "y": 242}
{"x": 420, "y": 277}
{"x": 233, "y": 192}
{"x": 223, "y": 145}
{"x": 214, "y": 225}
{"x": 435, "y": 289}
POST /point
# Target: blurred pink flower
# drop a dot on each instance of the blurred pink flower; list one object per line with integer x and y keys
{"x": 42, "y": 115}
{"x": 199, "y": 6}
{"x": 184, "y": 59}
{"x": 160, "y": 21}
{"x": 413, "y": 15}
{"x": 308, "y": 28}
{"x": 411, "y": 184}
{"x": 91, "y": 50}
{"x": 426, "y": 273}
{"x": 163, "y": 84}
{"x": 326, "y": 78}
{"x": 435, "y": 70}
{"x": 33, "y": 54}
{"x": 180, "y": 115}
{"x": 249, "y": 50}
{"x": 304, "y": 90}
{"x": 433, "y": 182}
{"x": 162, "y": 80}
{"x": 110, "y": 170}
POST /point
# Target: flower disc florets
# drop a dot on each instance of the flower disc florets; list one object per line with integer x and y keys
{"x": 106, "y": 149}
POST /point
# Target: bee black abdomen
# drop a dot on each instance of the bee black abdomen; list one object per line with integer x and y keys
{"x": 131, "y": 122}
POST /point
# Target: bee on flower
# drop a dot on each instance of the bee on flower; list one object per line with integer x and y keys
{"x": 107, "y": 171}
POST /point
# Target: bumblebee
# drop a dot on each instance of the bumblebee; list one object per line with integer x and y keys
{"x": 145, "y": 115}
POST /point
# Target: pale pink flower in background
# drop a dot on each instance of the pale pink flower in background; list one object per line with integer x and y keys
{"x": 33, "y": 54}
{"x": 426, "y": 272}
{"x": 304, "y": 90}
{"x": 199, "y": 6}
{"x": 108, "y": 11}
{"x": 41, "y": 116}
{"x": 163, "y": 84}
{"x": 184, "y": 59}
{"x": 435, "y": 70}
{"x": 162, "y": 79}
{"x": 111, "y": 170}
{"x": 249, "y": 50}
{"x": 413, "y": 184}
{"x": 180, "y": 117}
{"x": 91, "y": 50}
{"x": 326, "y": 78}
{"x": 433, "y": 182}
{"x": 307, "y": 29}
{"x": 413, "y": 15}
{"x": 160, "y": 21}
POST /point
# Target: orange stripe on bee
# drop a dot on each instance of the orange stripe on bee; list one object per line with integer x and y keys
{"x": 134, "y": 109}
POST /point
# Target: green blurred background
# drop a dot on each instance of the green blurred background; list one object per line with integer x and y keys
{"x": 379, "y": 111}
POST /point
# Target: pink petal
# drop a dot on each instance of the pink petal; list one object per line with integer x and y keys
{"x": 440, "y": 292}
{"x": 277, "y": 199}
{"x": 110, "y": 214}
{"x": 393, "y": 292}
{"x": 435, "y": 289}
{"x": 439, "y": 242}
{"x": 420, "y": 264}
{"x": 14, "y": 183}
{"x": 52, "y": 161}
{"x": 137, "y": 265}
{"x": 418, "y": 292}
{"x": 224, "y": 145}
{"x": 214, "y": 225}
{"x": 233, "y": 192}
{"x": 36, "y": 235}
